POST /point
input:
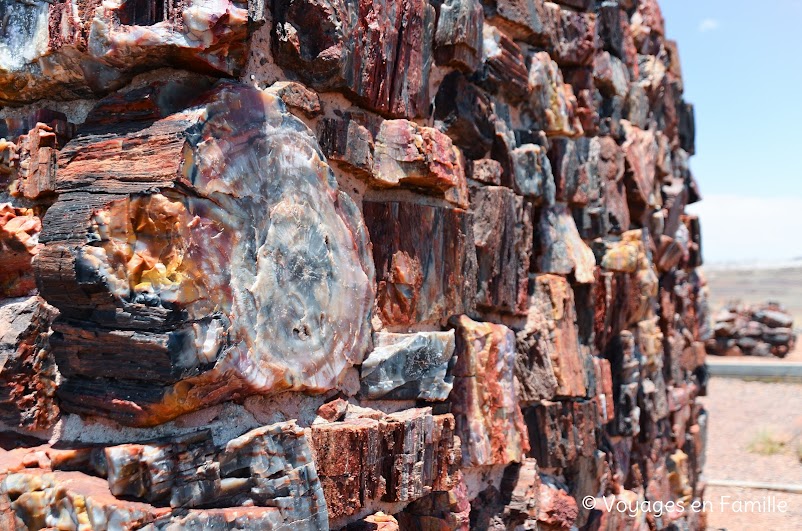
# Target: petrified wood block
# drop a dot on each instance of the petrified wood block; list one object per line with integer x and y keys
{"x": 521, "y": 19}
{"x": 409, "y": 366}
{"x": 464, "y": 113}
{"x": 503, "y": 70}
{"x": 558, "y": 510}
{"x": 458, "y": 37}
{"x": 552, "y": 102}
{"x": 531, "y": 174}
{"x": 485, "y": 398}
{"x": 62, "y": 51}
{"x": 425, "y": 261}
{"x": 347, "y": 142}
{"x": 19, "y": 243}
{"x": 270, "y": 466}
{"x": 559, "y": 248}
{"x": 502, "y": 231}
{"x": 406, "y": 154}
{"x": 573, "y": 42}
{"x": 399, "y": 457}
{"x": 53, "y": 499}
{"x": 551, "y": 325}
{"x": 379, "y": 53}
{"x": 213, "y": 241}
{"x": 27, "y": 368}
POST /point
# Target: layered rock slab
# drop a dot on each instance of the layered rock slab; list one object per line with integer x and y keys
{"x": 27, "y": 368}
{"x": 396, "y": 458}
{"x": 378, "y": 53}
{"x": 71, "y": 50}
{"x": 162, "y": 241}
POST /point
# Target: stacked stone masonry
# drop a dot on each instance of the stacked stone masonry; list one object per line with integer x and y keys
{"x": 347, "y": 264}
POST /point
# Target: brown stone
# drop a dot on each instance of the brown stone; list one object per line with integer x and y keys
{"x": 98, "y": 48}
{"x": 19, "y": 244}
{"x": 573, "y": 42}
{"x": 297, "y": 97}
{"x": 145, "y": 248}
{"x": 558, "y": 510}
{"x": 552, "y": 316}
{"x": 406, "y": 154}
{"x": 41, "y": 498}
{"x": 27, "y": 368}
{"x": 458, "y": 37}
{"x": 484, "y": 399}
{"x": 398, "y": 458}
{"x": 487, "y": 171}
{"x": 378, "y": 53}
{"x": 552, "y": 101}
{"x": 463, "y": 112}
{"x": 522, "y": 19}
{"x": 503, "y": 69}
{"x": 502, "y": 231}
{"x": 347, "y": 142}
{"x": 425, "y": 261}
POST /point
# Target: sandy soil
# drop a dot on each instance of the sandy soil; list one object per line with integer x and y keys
{"x": 743, "y": 414}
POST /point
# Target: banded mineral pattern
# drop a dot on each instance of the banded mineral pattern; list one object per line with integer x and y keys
{"x": 339, "y": 264}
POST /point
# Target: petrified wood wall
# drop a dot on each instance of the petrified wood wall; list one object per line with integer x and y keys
{"x": 324, "y": 264}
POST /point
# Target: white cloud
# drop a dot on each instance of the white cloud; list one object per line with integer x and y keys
{"x": 708, "y": 24}
{"x": 750, "y": 229}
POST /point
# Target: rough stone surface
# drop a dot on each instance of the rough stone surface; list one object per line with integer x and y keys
{"x": 348, "y": 264}
{"x": 409, "y": 366}
{"x": 484, "y": 399}
{"x": 421, "y": 278}
{"x": 212, "y": 286}
{"x": 378, "y": 53}
{"x": 62, "y": 51}
{"x": 27, "y": 369}
{"x": 502, "y": 231}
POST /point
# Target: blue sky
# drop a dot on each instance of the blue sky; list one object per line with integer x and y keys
{"x": 742, "y": 68}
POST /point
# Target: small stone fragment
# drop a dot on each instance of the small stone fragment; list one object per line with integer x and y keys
{"x": 407, "y": 154}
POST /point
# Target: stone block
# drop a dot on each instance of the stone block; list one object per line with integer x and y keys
{"x": 409, "y": 366}
{"x": 485, "y": 399}
{"x": 378, "y": 53}
{"x": 503, "y": 69}
{"x": 552, "y": 102}
{"x": 406, "y": 154}
{"x": 133, "y": 261}
{"x": 464, "y": 113}
{"x": 560, "y": 249}
{"x": 502, "y": 231}
{"x": 19, "y": 244}
{"x": 526, "y": 20}
{"x": 425, "y": 261}
{"x": 100, "y": 47}
{"x": 27, "y": 368}
{"x": 398, "y": 458}
{"x": 458, "y": 37}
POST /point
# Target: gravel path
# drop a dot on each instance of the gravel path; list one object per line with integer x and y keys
{"x": 743, "y": 414}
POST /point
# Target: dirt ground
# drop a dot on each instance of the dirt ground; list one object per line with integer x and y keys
{"x": 755, "y": 434}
